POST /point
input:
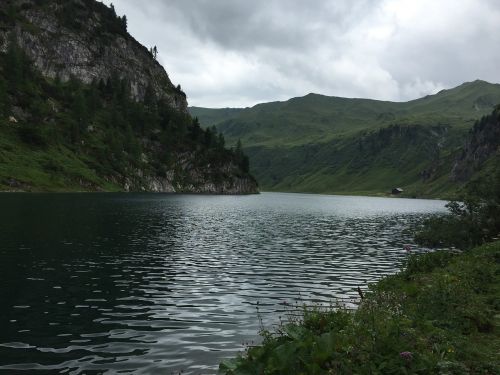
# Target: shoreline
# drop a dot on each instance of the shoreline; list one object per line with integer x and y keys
{"x": 343, "y": 194}
{"x": 363, "y": 194}
{"x": 438, "y": 313}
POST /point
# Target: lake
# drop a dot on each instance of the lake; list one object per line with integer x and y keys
{"x": 156, "y": 283}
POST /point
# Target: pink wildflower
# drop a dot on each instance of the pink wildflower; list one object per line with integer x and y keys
{"x": 407, "y": 356}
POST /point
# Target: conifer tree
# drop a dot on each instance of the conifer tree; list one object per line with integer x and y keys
{"x": 241, "y": 159}
{"x": 3, "y": 98}
{"x": 80, "y": 116}
{"x": 221, "y": 142}
{"x": 14, "y": 64}
{"x": 149, "y": 97}
{"x": 124, "y": 22}
{"x": 239, "y": 149}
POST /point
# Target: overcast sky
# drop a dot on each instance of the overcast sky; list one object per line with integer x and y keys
{"x": 236, "y": 53}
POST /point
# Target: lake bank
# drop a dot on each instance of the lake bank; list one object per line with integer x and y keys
{"x": 368, "y": 193}
{"x": 438, "y": 315}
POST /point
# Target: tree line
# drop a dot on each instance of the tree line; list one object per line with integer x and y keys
{"x": 101, "y": 119}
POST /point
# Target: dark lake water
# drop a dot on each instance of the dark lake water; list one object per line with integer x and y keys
{"x": 156, "y": 284}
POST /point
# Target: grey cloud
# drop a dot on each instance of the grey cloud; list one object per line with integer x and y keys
{"x": 241, "y": 24}
{"x": 238, "y": 53}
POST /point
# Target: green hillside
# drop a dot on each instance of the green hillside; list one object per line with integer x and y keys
{"x": 327, "y": 144}
{"x": 319, "y": 118}
{"x": 215, "y": 115}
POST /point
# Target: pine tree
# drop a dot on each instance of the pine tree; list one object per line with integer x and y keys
{"x": 245, "y": 164}
{"x": 3, "y": 98}
{"x": 14, "y": 64}
{"x": 239, "y": 149}
{"x": 11, "y": 14}
{"x": 93, "y": 98}
{"x": 221, "y": 142}
{"x": 241, "y": 159}
{"x": 124, "y": 23}
{"x": 131, "y": 143}
{"x": 124, "y": 92}
{"x": 150, "y": 97}
{"x": 208, "y": 138}
{"x": 80, "y": 115}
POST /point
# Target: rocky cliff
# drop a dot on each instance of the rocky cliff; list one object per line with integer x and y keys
{"x": 483, "y": 143}
{"x": 84, "y": 39}
{"x": 84, "y": 106}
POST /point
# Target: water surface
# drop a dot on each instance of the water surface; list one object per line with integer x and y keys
{"x": 156, "y": 284}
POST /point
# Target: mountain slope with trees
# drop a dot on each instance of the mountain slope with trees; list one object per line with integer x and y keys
{"x": 83, "y": 106}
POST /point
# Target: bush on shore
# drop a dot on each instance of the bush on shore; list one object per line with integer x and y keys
{"x": 473, "y": 219}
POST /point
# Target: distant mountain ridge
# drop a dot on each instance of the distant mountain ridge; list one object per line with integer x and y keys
{"x": 325, "y": 115}
{"x": 309, "y": 143}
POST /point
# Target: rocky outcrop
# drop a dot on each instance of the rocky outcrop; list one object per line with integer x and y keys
{"x": 483, "y": 142}
{"x": 80, "y": 38}
{"x": 233, "y": 186}
{"x": 220, "y": 179}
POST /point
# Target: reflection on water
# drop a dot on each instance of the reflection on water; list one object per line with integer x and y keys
{"x": 162, "y": 283}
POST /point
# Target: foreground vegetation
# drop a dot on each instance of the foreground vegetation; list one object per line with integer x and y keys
{"x": 439, "y": 315}
{"x": 474, "y": 218}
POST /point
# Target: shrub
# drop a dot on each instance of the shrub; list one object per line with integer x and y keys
{"x": 472, "y": 220}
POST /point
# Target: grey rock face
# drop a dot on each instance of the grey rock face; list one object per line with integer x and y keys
{"x": 89, "y": 53}
{"x": 236, "y": 186}
{"x": 93, "y": 45}
{"x": 482, "y": 143}
{"x": 210, "y": 180}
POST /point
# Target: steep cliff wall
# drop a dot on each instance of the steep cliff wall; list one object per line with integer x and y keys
{"x": 483, "y": 143}
{"x": 84, "y": 39}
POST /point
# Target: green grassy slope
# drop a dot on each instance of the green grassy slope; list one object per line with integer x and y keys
{"x": 53, "y": 167}
{"x": 214, "y": 115}
{"x": 322, "y": 144}
{"x": 413, "y": 157}
{"x": 319, "y": 118}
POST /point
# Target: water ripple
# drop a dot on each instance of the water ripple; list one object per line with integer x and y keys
{"x": 161, "y": 283}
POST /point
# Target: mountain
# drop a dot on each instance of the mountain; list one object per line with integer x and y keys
{"x": 481, "y": 152}
{"x": 84, "y": 106}
{"x": 327, "y": 144}
{"x": 214, "y": 115}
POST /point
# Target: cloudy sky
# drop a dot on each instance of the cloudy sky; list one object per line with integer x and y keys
{"x": 236, "y": 53}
